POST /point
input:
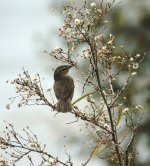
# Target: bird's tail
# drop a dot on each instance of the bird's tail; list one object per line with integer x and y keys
{"x": 64, "y": 106}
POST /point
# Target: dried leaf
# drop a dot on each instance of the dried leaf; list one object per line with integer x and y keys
{"x": 95, "y": 150}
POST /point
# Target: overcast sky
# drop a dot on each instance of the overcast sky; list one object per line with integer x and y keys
{"x": 21, "y": 22}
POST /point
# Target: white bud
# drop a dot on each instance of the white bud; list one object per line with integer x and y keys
{"x": 133, "y": 74}
{"x": 81, "y": 36}
{"x": 100, "y": 11}
{"x": 99, "y": 37}
{"x": 110, "y": 42}
{"x": 77, "y": 21}
{"x": 140, "y": 107}
{"x": 131, "y": 59}
{"x": 125, "y": 111}
{"x": 106, "y": 21}
{"x": 87, "y": 11}
{"x": 93, "y": 5}
{"x": 104, "y": 92}
{"x": 104, "y": 48}
{"x": 135, "y": 66}
{"x": 110, "y": 35}
{"x": 57, "y": 49}
{"x": 106, "y": 126}
{"x": 137, "y": 55}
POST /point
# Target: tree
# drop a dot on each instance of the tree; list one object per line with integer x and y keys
{"x": 108, "y": 114}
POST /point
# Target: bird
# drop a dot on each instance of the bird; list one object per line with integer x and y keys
{"x": 63, "y": 88}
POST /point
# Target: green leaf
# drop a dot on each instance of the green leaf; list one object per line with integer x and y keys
{"x": 82, "y": 97}
{"x": 119, "y": 116}
{"x": 94, "y": 152}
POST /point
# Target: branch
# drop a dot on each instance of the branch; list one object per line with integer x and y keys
{"x": 22, "y": 147}
{"x": 94, "y": 54}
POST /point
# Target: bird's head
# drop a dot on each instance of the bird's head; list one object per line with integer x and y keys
{"x": 61, "y": 71}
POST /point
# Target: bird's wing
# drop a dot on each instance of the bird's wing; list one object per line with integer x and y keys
{"x": 67, "y": 89}
{"x": 64, "y": 89}
{"x": 56, "y": 90}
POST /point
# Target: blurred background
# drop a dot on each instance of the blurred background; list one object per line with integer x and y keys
{"x": 27, "y": 28}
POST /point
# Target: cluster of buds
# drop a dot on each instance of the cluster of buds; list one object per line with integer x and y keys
{"x": 105, "y": 48}
{"x": 29, "y": 89}
{"x": 53, "y": 162}
{"x": 133, "y": 63}
{"x": 99, "y": 37}
{"x": 90, "y": 99}
{"x": 72, "y": 30}
{"x": 80, "y": 22}
{"x": 137, "y": 107}
{"x": 111, "y": 40}
{"x": 126, "y": 111}
{"x": 57, "y": 50}
{"x": 102, "y": 52}
{"x": 86, "y": 53}
{"x": 17, "y": 147}
{"x": 57, "y": 53}
{"x": 104, "y": 119}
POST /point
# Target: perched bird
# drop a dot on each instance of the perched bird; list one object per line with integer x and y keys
{"x": 63, "y": 88}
